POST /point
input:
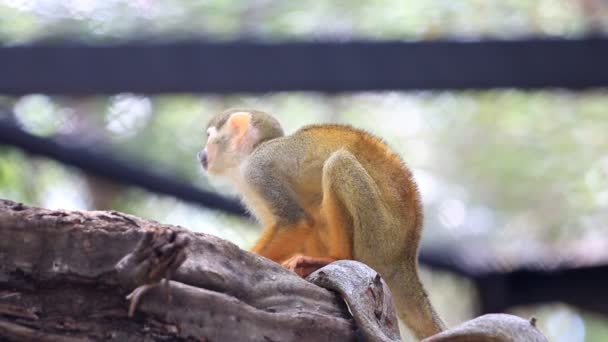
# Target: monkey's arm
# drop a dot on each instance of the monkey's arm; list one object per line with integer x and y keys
{"x": 287, "y": 225}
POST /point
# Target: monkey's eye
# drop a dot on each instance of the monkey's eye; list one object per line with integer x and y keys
{"x": 211, "y": 132}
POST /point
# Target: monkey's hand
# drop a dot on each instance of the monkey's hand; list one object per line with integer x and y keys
{"x": 304, "y": 265}
{"x": 156, "y": 256}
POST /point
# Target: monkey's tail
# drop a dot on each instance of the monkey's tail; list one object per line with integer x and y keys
{"x": 413, "y": 305}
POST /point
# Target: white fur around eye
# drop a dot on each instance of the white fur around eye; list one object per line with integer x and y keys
{"x": 211, "y": 132}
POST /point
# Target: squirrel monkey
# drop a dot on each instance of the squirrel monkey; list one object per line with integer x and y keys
{"x": 324, "y": 193}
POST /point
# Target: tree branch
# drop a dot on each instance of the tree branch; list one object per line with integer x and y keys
{"x": 64, "y": 276}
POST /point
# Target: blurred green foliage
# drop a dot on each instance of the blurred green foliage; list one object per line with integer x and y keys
{"x": 92, "y": 20}
{"x": 523, "y": 174}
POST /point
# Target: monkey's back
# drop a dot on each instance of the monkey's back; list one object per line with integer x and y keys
{"x": 390, "y": 173}
{"x": 300, "y": 157}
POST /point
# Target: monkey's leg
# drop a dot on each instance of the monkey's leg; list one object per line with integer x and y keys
{"x": 381, "y": 240}
{"x": 304, "y": 265}
{"x": 339, "y": 173}
{"x": 338, "y": 230}
{"x": 280, "y": 242}
{"x": 355, "y": 210}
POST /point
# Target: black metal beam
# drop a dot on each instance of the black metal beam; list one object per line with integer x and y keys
{"x": 104, "y": 165}
{"x": 500, "y": 289}
{"x": 578, "y": 286}
{"x": 327, "y": 67}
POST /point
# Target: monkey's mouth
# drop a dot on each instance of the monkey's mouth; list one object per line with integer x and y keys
{"x": 203, "y": 159}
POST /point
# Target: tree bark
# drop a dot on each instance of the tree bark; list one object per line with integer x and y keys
{"x": 64, "y": 276}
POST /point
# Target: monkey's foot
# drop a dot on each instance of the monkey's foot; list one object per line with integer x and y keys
{"x": 156, "y": 256}
{"x": 304, "y": 265}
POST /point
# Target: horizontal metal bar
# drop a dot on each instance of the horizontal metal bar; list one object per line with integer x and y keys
{"x": 304, "y": 66}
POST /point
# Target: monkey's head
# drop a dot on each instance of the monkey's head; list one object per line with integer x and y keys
{"x": 232, "y": 135}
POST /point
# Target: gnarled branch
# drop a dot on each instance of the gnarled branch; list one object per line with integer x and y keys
{"x": 64, "y": 276}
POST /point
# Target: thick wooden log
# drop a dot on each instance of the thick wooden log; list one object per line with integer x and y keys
{"x": 64, "y": 276}
{"x": 57, "y": 278}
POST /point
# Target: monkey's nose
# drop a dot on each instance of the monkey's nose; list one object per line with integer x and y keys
{"x": 202, "y": 158}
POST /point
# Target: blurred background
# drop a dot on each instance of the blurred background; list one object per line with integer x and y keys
{"x": 519, "y": 177}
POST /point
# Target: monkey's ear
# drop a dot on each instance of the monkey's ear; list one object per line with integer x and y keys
{"x": 239, "y": 123}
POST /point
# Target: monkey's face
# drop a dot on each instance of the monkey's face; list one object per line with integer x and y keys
{"x": 217, "y": 156}
{"x": 228, "y": 145}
